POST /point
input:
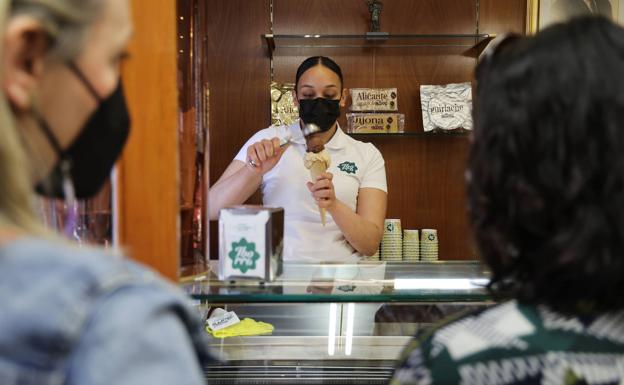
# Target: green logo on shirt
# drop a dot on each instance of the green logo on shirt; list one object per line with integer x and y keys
{"x": 348, "y": 167}
{"x": 244, "y": 255}
{"x": 346, "y": 288}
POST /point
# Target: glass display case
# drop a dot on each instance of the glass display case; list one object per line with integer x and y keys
{"x": 334, "y": 324}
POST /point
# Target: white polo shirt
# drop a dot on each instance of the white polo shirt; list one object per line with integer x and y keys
{"x": 354, "y": 164}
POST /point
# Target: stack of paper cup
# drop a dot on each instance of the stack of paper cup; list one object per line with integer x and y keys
{"x": 428, "y": 245}
{"x": 392, "y": 243}
{"x": 411, "y": 246}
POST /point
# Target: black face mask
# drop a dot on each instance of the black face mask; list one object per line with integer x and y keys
{"x": 88, "y": 161}
{"x": 320, "y": 111}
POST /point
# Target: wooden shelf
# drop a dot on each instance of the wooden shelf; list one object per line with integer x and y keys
{"x": 435, "y": 134}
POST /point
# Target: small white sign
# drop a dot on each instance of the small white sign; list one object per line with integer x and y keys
{"x": 222, "y": 320}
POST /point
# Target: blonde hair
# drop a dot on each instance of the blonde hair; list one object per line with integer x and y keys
{"x": 65, "y": 21}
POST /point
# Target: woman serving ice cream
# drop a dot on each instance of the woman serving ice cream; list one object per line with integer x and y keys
{"x": 332, "y": 215}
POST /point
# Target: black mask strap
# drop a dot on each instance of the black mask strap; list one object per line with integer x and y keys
{"x": 65, "y": 164}
{"x": 64, "y": 159}
{"x": 74, "y": 68}
{"x": 44, "y": 125}
{"x": 45, "y": 128}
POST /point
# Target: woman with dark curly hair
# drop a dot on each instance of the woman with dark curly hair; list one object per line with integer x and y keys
{"x": 546, "y": 201}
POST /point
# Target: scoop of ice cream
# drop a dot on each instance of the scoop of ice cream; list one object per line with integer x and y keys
{"x": 310, "y": 158}
{"x": 314, "y": 143}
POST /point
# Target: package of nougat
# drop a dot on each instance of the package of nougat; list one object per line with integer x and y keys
{"x": 446, "y": 107}
{"x": 283, "y": 108}
{"x": 373, "y": 123}
{"x": 374, "y": 99}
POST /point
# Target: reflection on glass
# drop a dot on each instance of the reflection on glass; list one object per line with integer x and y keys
{"x": 192, "y": 134}
{"x": 350, "y": 323}
{"x": 439, "y": 284}
{"x": 331, "y": 333}
{"x": 93, "y": 223}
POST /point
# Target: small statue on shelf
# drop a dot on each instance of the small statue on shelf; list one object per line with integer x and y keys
{"x": 375, "y": 7}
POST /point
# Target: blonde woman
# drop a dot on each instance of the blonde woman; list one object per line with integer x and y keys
{"x": 69, "y": 315}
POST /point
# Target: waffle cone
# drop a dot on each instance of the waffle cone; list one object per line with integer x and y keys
{"x": 317, "y": 169}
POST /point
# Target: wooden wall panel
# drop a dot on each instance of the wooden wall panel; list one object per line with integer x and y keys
{"x": 323, "y": 17}
{"x": 425, "y": 174}
{"x": 428, "y": 16}
{"x": 352, "y": 17}
{"x": 148, "y": 171}
{"x": 425, "y": 188}
{"x": 238, "y": 76}
{"x": 498, "y": 16}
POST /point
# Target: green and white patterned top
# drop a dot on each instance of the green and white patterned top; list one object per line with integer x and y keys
{"x": 517, "y": 344}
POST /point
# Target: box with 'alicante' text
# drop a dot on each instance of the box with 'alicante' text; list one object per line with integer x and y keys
{"x": 250, "y": 242}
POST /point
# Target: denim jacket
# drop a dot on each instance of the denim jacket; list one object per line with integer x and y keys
{"x": 80, "y": 316}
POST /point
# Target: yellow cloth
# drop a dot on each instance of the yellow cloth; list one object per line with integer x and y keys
{"x": 247, "y": 327}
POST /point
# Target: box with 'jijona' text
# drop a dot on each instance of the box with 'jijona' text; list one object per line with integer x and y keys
{"x": 250, "y": 242}
{"x": 375, "y": 123}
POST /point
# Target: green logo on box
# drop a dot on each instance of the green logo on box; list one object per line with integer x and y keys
{"x": 348, "y": 167}
{"x": 243, "y": 255}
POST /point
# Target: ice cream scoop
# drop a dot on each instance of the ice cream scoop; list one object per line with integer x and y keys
{"x": 307, "y": 130}
{"x": 310, "y": 129}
